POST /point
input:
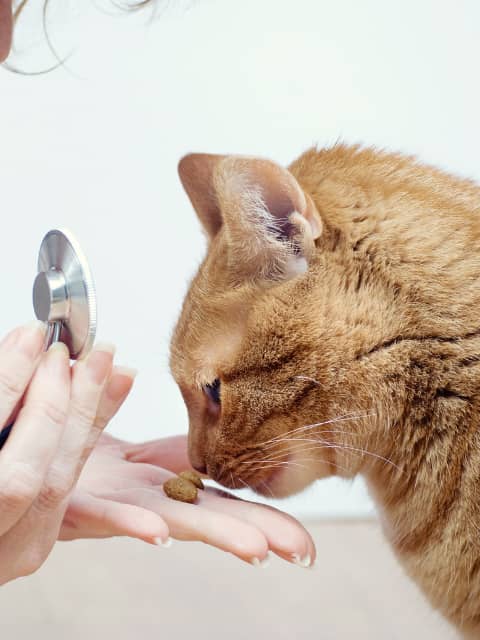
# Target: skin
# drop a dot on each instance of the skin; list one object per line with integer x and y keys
{"x": 122, "y": 484}
{"x": 337, "y": 313}
{"x": 6, "y": 28}
{"x": 68, "y": 407}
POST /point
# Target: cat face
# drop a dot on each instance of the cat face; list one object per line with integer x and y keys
{"x": 259, "y": 351}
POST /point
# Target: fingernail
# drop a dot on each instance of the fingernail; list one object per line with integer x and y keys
{"x": 57, "y": 356}
{"x": 99, "y": 361}
{"x": 304, "y": 562}
{"x": 129, "y": 372}
{"x": 107, "y": 347}
{"x": 31, "y": 338}
{"x": 262, "y": 564}
{"x": 120, "y": 382}
{"x": 166, "y": 544}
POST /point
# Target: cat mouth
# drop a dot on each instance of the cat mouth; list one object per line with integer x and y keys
{"x": 263, "y": 482}
{"x": 286, "y": 476}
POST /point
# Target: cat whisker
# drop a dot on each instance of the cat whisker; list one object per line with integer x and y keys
{"x": 307, "y": 427}
{"x": 342, "y": 418}
{"x": 264, "y": 484}
{"x": 327, "y": 462}
{"x": 363, "y": 452}
{"x": 325, "y": 444}
{"x": 323, "y": 431}
{"x": 245, "y": 484}
{"x": 264, "y": 465}
{"x": 276, "y": 461}
{"x": 309, "y": 379}
{"x": 299, "y": 446}
{"x": 279, "y": 464}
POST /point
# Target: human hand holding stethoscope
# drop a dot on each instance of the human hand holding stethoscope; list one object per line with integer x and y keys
{"x": 63, "y": 298}
{"x": 59, "y": 410}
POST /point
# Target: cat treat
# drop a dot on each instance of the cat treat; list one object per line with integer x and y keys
{"x": 192, "y": 477}
{"x": 184, "y": 487}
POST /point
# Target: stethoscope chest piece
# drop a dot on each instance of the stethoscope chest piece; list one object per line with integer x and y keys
{"x": 64, "y": 293}
{"x": 63, "y": 297}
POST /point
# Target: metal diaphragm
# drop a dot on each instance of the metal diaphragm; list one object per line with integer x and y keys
{"x": 64, "y": 293}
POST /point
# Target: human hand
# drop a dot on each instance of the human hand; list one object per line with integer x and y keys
{"x": 120, "y": 493}
{"x": 60, "y": 412}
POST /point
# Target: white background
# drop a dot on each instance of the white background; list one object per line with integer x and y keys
{"x": 94, "y": 146}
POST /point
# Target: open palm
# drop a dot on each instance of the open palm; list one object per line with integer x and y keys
{"x": 120, "y": 493}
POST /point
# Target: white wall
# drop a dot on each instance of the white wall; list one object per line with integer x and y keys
{"x": 95, "y": 147}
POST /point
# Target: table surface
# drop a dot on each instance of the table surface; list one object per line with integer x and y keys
{"x": 127, "y": 589}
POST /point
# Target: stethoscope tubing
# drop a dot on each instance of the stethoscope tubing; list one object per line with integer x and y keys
{"x": 4, "y": 434}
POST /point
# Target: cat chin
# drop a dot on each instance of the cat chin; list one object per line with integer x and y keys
{"x": 290, "y": 480}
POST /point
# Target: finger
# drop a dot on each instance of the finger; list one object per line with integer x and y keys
{"x": 88, "y": 379}
{"x": 27, "y": 454}
{"x": 133, "y": 475}
{"x": 20, "y": 352}
{"x": 91, "y": 517}
{"x": 170, "y": 453}
{"x": 192, "y": 522}
{"x": 285, "y": 536}
{"x": 114, "y": 395}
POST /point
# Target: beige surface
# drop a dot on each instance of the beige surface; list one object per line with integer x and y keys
{"x": 124, "y": 589}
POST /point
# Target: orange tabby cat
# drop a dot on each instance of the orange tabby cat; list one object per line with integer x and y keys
{"x": 334, "y": 328}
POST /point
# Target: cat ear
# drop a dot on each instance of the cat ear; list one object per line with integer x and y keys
{"x": 271, "y": 223}
{"x": 196, "y": 172}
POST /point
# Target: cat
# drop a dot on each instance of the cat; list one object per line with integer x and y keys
{"x": 334, "y": 328}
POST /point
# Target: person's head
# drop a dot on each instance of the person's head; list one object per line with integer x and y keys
{"x": 9, "y": 11}
{"x": 6, "y": 28}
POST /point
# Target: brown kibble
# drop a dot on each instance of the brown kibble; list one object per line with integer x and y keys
{"x": 193, "y": 477}
{"x": 180, "y": 489}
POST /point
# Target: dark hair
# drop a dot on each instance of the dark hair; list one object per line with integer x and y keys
{"x": 130, "y": 5}
{"x": 19, "y": 7}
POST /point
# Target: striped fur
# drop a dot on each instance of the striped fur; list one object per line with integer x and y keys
{"x": 368, "y": 362}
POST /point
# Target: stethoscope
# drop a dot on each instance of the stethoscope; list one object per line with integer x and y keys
{"x": 64, "y": 297}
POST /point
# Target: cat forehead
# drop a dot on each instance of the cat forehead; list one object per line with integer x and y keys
{"x": 216, "y": 353}
{"x": 218, "y": 345}
{"x": 209, "y": 332}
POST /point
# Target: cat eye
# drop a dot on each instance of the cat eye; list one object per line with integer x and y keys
{"x": 212, "y": 391}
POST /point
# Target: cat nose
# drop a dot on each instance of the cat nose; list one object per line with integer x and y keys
{"x": 201, "y": 468}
